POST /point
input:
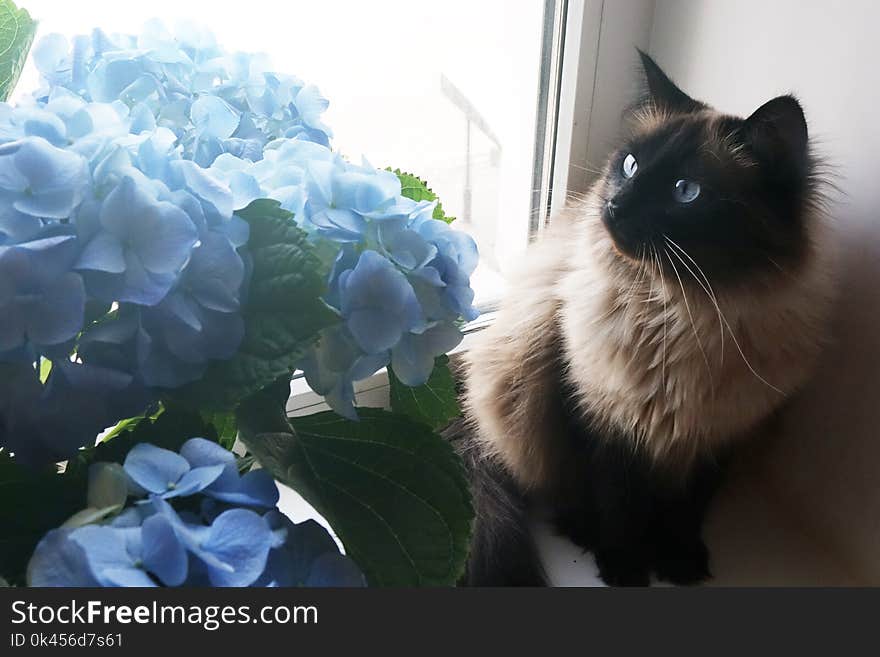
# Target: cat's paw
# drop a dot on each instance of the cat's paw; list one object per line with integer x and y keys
{"x": 684, "y": 563}
{"x": 622, "y": 567}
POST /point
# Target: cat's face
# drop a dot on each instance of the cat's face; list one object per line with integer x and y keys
{"x": 691, "y": 183}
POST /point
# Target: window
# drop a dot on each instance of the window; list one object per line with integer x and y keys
{"x": 448, "y": 90}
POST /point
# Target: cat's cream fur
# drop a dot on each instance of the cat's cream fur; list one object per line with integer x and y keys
{"x": 651, "y": 358}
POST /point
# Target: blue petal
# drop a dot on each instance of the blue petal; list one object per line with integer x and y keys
{"x": 195, "y": 480}
{"x": 374, "y": 330}
{"x": 244, "y": 188}
{"x": 56, "y": 178}
{"x": 255, "y": 488}
{"x": 365, "y": 191}
{"x": 378, "y": 303}
{"x": 107, "y": 82}
{"x": 154, "y": 468}
{"x": 40, "y": 123}
{"x": 236, "y": 230}
{"x": 49, "y": 53}
{"x": 204, "y": 185}
{"x": 103, "y": 253}
{"x": 311, "y": 105}
{"x": 335, "y": 570}
{"x": 163, "y": 553}
{"x": 214, "y": 117}
{"x": 160, "y": 233}
{"x": 216, "y": 273}
{"x": 136, "y": 286}
{"x": 405, "y": 247}
{"x": 289, "y": 563}
{"x": 127, "y": 577}
{"x": 58, "y": 561}
{"x": 236, "y": 545}
{"x": 142, "y": 119}
{"x": 411, "y": 365}
{"x": 200, "y": 452}
{"x": 141, "y": 286}
{"x": 183, "y": 308}
{"x": 164, "y": 238}
{"x": 109, "y": 554}
{"x": 413, "y": 358}
{"x": 340, "y": 399}
{"x": 17, "y": 227}
{"x": 58, "y": 315}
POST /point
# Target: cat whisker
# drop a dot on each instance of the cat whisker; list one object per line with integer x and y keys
{"x": 637, "y": 279}
{"x": 691, "y": 317}
{"x": 742, "y": 353}
{"x": 587, "y": 168}
{"x": 707, "y": 288}
{"x": 665, "y": 316}
{"x": 632, "y": 297}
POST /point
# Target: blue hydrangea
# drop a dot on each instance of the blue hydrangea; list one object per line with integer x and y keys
{"x": 400, "y": 287}
{"x": 163, "y": 473}
{"x": 119, "y": 182}
{"x": 136, "y": 261}
{"x": 238, "y": 538}
{"x": 41, "y": 300}
{"x": 106, "y": 198}
{"x": 40, "y": 180}
{"x": 401, "y": 280}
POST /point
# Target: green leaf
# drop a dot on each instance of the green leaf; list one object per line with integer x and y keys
{"x": 415, "y": 188}
{"x": 130, "y": 423}
{"x": 45, "y": 369}
{"x": 17, "y": 31}
{"x": 435, "y": 403}
{"x": 225, "y": 425}
{"x": 283, "y": 315}
{"x": 393, "y": 490}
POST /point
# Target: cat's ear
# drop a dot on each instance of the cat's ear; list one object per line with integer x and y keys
{"x": 662, "y": 91}
{"x": 778, "y": 130}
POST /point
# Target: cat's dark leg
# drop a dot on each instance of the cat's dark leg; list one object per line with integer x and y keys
{"x": 605, "y": 505}
{"x": 622, "y": 495}
{"x": 680, "y": 555}
{"x": 635, "y": 517}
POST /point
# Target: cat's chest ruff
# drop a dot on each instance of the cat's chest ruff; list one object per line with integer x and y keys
{"x": 668, "y": 368}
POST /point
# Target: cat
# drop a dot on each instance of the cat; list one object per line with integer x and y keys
{"x": 658, "y": 322}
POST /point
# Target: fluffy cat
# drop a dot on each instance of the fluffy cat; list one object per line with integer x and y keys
{"x": 654, "y": 325}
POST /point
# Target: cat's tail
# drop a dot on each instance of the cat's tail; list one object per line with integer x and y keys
{"x": 502, "y": 552}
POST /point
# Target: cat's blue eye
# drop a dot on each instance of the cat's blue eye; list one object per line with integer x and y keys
{"x": 630, "y": 166}
{"x": 686, "y": 191}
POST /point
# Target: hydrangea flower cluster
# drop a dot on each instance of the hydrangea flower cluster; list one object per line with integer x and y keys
{"x": 227, "y": 533}
{"x": 401, "y": 279}
{"x": 104, "y": 192}
{"x": 107, "y": 209}
{"x": 119, "y": 183}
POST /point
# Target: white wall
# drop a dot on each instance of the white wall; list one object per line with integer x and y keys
{"x": 735, "y": 56}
